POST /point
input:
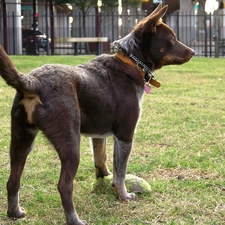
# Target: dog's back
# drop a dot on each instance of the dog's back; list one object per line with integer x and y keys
{"x": 102, "y": 87}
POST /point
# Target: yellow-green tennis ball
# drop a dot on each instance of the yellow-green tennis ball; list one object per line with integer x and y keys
{"x": 133, "y": 184}
{"x": 103, "y": 185}
{"x": 136, "y": 184}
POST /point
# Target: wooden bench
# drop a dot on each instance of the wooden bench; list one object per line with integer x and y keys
{"x": 76, "y": 40}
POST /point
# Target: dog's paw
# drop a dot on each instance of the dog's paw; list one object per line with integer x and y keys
{"x": 102, "y": 173}
{"x": 128, "y": 197}
{"x": 16, "y": 213}
{"x": 82, "y": 222}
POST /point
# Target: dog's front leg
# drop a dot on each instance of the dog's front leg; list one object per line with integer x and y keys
{"x": 100, "y": 157}
{"x": 121, "y": 153}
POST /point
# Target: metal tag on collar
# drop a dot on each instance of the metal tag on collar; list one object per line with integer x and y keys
{"x": 147, "y": 88}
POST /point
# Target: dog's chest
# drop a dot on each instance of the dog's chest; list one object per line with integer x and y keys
{"x": 103, "y": 112}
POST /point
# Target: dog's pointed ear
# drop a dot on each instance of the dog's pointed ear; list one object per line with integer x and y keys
{"x": 150, "y": 22}
{"x": 156, "y": 16}
{"x": 157, "y": 9}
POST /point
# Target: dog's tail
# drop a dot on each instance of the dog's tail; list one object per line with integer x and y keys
{"x": 14, "y": 78}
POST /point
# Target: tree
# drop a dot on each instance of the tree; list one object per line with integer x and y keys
{"x": 59, "y": 2}
{"x": 202, "y": 22}
{"x": 86, "y": 6}
{"x": 132, "y": 3}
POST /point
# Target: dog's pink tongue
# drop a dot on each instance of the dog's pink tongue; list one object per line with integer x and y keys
{"x": 147, "y": 88}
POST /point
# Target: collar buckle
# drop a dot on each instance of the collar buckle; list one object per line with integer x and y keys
{"x": 148, "y": 73}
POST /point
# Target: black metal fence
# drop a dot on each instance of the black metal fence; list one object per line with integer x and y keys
{"x": 204, "y": 33}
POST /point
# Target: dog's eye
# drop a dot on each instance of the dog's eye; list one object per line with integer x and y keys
{"x": 171, "y": 43}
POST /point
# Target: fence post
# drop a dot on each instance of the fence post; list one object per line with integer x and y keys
{"x": 210, "y": 35}
{"x": 178, "y": 25}
{"x": 206, "y": 35}
{"x": 46, "y": 21}
{"x": 52, "y": 27}
{"x": 5, "y": 35}
{"x": 34, "y": 46}
{"x": 113, "y": 38}
{"x": 13, "y": 31}
{"x": 217, "y": 36}
{"x": 80, "y": 30}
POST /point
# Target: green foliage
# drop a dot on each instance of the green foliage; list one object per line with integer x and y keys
{"x": 133, "y": 3}
{"x": 59, "y": 2}
{"x": 109, "y": 4}
{"x": 106, "y": 4}
{"x": 85, "y": 5}
{"x": 178, "y": 148}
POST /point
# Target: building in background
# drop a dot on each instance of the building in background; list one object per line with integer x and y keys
{"x": 190, "y": 22}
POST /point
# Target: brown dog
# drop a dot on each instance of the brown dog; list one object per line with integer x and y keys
{"x": 98, "y": 99}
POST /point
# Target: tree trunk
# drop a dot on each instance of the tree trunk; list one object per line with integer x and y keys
{"x": 84, "y": 31}
{"x": 202, "y": 23}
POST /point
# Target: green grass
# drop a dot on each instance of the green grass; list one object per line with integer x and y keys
{"x": 178, "y": 148}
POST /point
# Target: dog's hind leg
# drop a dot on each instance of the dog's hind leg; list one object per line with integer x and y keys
{"x": 22, "y": 139}
{"x": 100, "y": 157}
{"x": 69, "y": 157}
{"x": 65, "y": 136}
{"x": 121, "y": 153}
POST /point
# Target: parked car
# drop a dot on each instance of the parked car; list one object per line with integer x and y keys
{"x": 28, "y": 36}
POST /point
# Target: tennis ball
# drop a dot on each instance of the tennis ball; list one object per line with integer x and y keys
{"x": 103, "y": 185}
{"x": 133, "y": 184}
{"x": 136, "y": 184}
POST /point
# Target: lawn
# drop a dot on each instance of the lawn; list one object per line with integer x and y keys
{"x": 178, "y": 148}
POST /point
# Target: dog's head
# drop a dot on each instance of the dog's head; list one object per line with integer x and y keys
{"x": 154, "y": 43}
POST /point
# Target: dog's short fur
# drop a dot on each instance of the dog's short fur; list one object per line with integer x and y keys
{"x": 98, "y": 99}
